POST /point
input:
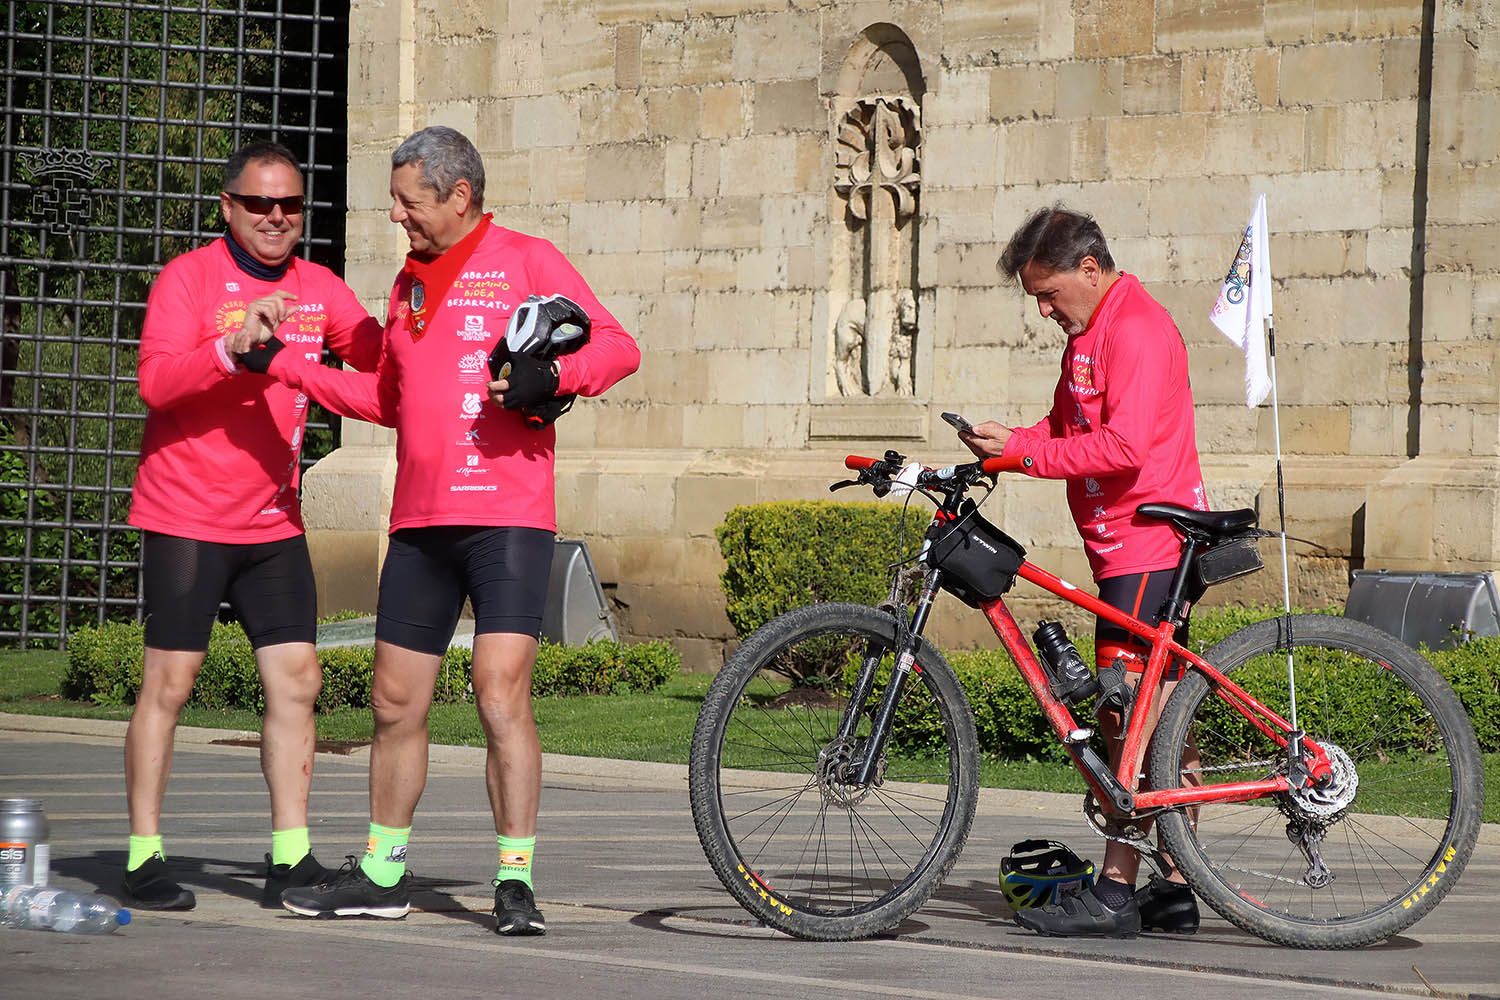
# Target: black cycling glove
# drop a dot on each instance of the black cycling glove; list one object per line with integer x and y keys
{"x": 531, "y": 382}
{"x": 258, "y": 359}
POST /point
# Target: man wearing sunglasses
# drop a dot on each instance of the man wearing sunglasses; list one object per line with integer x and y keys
{"x": 216, "y": 498}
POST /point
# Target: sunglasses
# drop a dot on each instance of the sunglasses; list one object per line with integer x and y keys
{"x": 262, "y": 205}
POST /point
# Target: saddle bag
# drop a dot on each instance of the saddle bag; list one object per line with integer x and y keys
{"x": 1232, "y": 558}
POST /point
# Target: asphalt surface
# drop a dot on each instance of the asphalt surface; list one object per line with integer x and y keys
{"x": 633, "y": 910}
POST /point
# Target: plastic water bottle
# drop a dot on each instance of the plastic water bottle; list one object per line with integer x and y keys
{"x": 47, "y": 909}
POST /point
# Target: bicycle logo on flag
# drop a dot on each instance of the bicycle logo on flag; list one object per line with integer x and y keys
{"x": 1239, "y": 272}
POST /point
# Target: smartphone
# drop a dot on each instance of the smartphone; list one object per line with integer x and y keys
{"x": 958, "y": 422}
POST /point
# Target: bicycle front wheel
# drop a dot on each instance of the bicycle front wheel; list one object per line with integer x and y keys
{"x": 788, "y": 826}
{"x": 1350, "y": 863}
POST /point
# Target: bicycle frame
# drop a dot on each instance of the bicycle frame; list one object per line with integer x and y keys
{"x": 1107, "y": 787}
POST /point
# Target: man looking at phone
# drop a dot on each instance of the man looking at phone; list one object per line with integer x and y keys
{"x": 473, "y": 513}
{"x": 216, "y": 497}
{"x": 1120, "y": 432}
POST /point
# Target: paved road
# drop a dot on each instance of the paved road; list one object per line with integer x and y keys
{"x": 633, "y": 910}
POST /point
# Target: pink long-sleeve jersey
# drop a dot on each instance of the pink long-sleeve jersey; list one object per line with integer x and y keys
{"x": 219, "y": 457}
{"x": 1121, "y": 432}
{"x": 460, "y": 459}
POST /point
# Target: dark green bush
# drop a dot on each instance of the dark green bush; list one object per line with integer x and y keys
{"x": 104, "y": 665}
{"x": 788, "y": 554}
{"x": 1010, "y": 725}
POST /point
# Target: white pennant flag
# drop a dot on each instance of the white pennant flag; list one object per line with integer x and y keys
{"x": 1244, "y": 303}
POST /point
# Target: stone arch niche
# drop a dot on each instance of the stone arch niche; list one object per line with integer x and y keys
{"x": 873, "y": 294}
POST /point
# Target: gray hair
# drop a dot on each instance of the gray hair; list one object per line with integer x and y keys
{"x": 1058, "y": 239}
{"x": 445, "y": 156}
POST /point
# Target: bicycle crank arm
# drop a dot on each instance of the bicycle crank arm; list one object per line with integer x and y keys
{"x": 1119, "y": 796}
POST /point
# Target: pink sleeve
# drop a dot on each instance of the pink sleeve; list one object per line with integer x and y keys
{"x": 353, "y": 334}
{"x": 175, "y": 364}
{"x": 1120, "y": 441}
{"x": 610, "y": 355}
{"x": 367, "y": 396}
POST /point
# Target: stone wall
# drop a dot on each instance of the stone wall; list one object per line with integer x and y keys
{"x": 687, "y": 156}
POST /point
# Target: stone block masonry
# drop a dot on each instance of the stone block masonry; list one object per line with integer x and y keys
{"x": 685, "y": 155}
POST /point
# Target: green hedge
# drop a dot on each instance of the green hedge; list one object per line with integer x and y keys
{"x": 784, "y": 555}
{"x": 104, "y": 666}
{"x": 1011, "y": 726}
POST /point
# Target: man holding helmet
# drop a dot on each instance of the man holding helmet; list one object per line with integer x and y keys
{"x": 473, "y": 511}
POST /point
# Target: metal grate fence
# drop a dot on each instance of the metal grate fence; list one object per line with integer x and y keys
{"x": 118, "y": 115}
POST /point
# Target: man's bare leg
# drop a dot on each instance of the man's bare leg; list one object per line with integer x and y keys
{"x": 400, "y": 698}
{"x": 290, "y": 674}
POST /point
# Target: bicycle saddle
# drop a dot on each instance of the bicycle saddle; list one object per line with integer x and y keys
{"x": 1215, "y": 525}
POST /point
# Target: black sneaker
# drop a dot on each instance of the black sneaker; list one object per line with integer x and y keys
{"x": 280, "y": 878}
{"x": 152, "y": 887}
{"x": 1083, "y": 915}
{"x": 349, "y": 892}
{"x": 515, "y": 909}
{"x": 1167, "y": 907}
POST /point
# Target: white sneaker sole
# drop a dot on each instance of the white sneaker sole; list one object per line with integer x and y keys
{"x": 383, "y": 912}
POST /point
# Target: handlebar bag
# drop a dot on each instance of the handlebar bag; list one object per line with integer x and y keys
{"x": 978, "y": 560}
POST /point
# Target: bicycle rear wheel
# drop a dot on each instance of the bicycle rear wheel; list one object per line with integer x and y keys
{"x": 783, "y": 821}
{"x": 1394, "y": 828}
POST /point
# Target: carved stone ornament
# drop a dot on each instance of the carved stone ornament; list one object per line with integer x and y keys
{"x": 877, "y": 151}
{"x": 876, "y": 173}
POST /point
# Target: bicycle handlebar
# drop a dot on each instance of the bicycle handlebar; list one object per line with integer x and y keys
{"x": 990, "y": 466}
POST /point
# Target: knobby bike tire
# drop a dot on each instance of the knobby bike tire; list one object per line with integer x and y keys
{"x": 1395, "y": 840}
{"x": 802, "y": 851}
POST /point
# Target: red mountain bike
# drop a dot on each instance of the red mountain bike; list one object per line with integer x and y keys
{"x": 833, "y": 809}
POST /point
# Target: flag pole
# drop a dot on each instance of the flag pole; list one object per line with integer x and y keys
{"x": 1286, "y": 586}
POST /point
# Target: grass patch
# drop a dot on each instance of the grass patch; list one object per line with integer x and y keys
{"x": 646, "y": 727}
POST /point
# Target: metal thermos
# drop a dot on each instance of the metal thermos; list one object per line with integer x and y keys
{"x": 24, "y": 854}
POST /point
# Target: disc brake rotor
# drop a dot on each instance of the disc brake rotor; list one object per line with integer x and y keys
{"x": 837, "y": 765}
{"x": 1334, "y": 796}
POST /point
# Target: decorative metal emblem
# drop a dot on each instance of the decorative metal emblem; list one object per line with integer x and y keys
{"x": 63, "y": 182}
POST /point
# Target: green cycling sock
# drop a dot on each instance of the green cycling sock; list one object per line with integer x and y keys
{"x": 141, "y": 849}
{"x": 385, "y": 855}
{"x": 289, "y": 846}
{"x": 515, "y": 858}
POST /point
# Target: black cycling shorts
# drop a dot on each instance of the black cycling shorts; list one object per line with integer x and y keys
{"x": 1139, "y": 595}
{"x": 429, "y": 571}
{"x": 268, "y": 584}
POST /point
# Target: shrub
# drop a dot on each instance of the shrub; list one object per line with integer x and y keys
{"x": 104, "y": 665}
{"x": 788, "y": 554}
{"x": 1010, "y": 725}
{"x": 348, "y": 673}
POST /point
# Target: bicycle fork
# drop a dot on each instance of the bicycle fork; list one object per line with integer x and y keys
{"x": 864, "y": 767}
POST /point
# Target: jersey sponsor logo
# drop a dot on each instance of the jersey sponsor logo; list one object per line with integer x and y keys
{"x": 314, "y": 356}
{"x": 471, "y": 470}
{"x": 231, "y": 286}
{"x": 471, "y": 367}
{"x": 472, "y": 404}
{"x": 296, "y": 437}
{"x": 471, "y": 439}
{"x": 477, "y": 304}
{"x": 1200, "y": 499}
{"x": 1100, "y": 512}
{"x": 473, "y": 329}
{"x": 481, "y": 275}
{"x": 1091, "y": 487}
{"x": 1083, "y": 376}
{"x": 473, "y": 488}
{"x": 1110, "y": 548}
{"x": 230, "y": 316}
